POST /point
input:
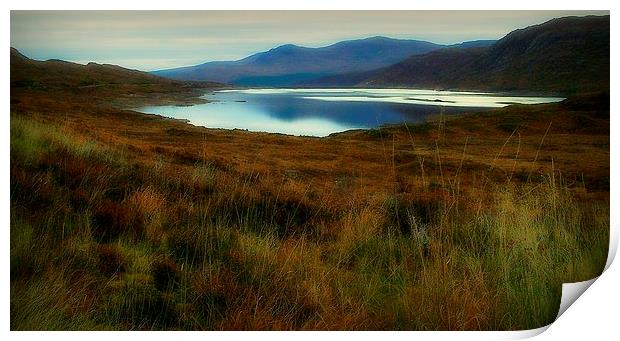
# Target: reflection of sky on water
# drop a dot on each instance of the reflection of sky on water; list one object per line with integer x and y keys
{"x": 320, "y": 112}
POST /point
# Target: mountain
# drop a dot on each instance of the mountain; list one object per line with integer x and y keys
{"x": 564, "y": 55}
{"x": 289, "y": 64}
{"x": 35, "y": 84}
{"x": 54, "y": 73}
{"x": 474, "y": 43}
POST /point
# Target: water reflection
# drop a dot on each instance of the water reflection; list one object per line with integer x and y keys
{"x": 320, "y": 112}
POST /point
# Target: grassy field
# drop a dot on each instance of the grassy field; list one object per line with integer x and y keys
{"x": 121, "y": 220}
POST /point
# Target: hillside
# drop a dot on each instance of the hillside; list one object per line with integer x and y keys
{"x": 562, "y": 55}
{"x": 58, "y": 73}
{"x": 95, "y": 82}
{"x": 289, "y": 64}
{"x": 432, "y": 70}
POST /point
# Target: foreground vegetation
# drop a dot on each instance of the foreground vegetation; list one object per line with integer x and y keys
{"x": 471, "y": 223}
{"x": 121, "y": 220}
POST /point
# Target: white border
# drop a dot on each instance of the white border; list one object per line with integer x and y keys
{"x": 593, "y": 316}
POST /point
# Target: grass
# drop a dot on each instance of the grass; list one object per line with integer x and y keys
{"x": 114, "y": 232}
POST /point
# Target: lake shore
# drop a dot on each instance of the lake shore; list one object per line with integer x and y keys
{"x": 321, "y": 112}
{"x": 191, "y": 225}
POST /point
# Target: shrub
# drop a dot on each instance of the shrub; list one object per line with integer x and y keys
{"x": 111, "y": 260}
{"x": 411, "y": 214}
{"x": 379, "y": 133}
{"x": 509, "y": 124}
{"x": 111, "y": 220}
{"x": 79, "y": 199}
{"x": 210, "y": 295}
{"x": 419, "y": 128}
{"x": 165, "y": 274}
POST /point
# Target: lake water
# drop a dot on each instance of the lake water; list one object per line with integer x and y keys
{"x": 320, "y": 112}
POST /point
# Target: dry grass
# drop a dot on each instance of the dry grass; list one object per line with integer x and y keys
{"x": 153, "y": 224}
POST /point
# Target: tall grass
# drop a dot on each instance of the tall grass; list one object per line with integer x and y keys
{"x": 103, "y": 241}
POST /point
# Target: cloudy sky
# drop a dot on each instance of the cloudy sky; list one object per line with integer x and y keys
{"x": 150, "y": 40}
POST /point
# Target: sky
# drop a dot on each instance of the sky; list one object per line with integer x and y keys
{"x": 152, "y": 40}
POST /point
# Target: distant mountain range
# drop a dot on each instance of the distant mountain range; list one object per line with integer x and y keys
{"x": 291, "y": 64}
{"x": 564, "y": 55}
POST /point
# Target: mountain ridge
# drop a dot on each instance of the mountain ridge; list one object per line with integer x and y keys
{"x": 356, "y": 55}
{"x": 567, "y": 55}
{"x": 59, "y": 73}
{"x": 78, "y": 85}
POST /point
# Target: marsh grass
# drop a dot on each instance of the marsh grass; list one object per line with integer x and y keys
{"x": 100, "y": 240}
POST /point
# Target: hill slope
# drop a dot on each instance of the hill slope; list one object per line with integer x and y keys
{"x": 288, "y": 64}
{"x": 563, "y": 55}
{"x": 94, "y": 82}
{"x": 58, "y": 73}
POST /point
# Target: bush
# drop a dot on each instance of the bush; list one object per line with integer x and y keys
{"x": 111, "y": 220}
{"x": 111, "y": 260}
{"x": 411, "y": 214}
{"x": 419, "y": 128}
{"x": 379, "y": 133}
{"x": 510, "y": 124}
{"x": 165, "y": 274}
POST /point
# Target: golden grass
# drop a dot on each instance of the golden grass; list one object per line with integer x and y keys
{"x": 153, "y": 224}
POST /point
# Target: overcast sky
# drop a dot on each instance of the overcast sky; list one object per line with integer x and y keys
{"x": 148, "y": 40}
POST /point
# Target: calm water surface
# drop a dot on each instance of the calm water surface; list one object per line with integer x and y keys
{"x": 320, "y": 112}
